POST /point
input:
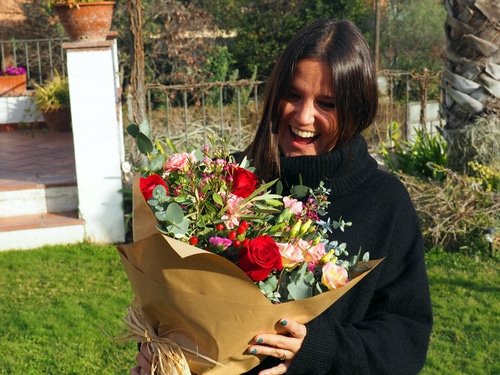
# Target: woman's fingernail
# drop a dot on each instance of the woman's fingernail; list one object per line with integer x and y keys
{"x": 253, "y": 351}
{"x": 260, "y": 340}
{"x": 283, "y": 322}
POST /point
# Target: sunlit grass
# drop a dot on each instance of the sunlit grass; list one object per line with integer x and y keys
{"x": 466, "y": 301}
{"x": 57, "y": 305}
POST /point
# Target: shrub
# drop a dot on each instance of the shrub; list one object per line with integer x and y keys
{"x": 413, "y": 158}
{"x": 487, "y": 178}
{"x": 453, "y": 212}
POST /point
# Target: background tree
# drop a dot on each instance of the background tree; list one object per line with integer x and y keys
{"x": 471, "y": 82}
{"x": 263, "y": 27}
{"x": 412, "y": 35}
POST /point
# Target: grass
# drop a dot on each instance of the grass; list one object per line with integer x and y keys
{"x": 56, "y": 303}
{"x": 465, "y": 292}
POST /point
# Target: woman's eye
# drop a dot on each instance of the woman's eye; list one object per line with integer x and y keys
{"x": 293, "y": 95}
{"x": 327, "y": 105}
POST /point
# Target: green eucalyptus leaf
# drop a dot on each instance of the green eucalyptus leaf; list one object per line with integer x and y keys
{"x": 161, "y": 216}
{"x": 299, "y": 191}
{"x": 174, "y": 213}
{"x": 145, "y": 128}
{"x": 159, "y": 192}
{"x": 157, "y": 162}
{"x": 198, "y": 154}
{"x": 299, "y": 291}
{"x": 179, "y": 229}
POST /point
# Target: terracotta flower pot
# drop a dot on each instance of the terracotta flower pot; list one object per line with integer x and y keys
{"x": 12, "y": 85}
{"x": 86, "y": 21}
{"x": 58, "y": 120}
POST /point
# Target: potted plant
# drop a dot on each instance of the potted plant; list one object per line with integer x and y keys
{"x": 12, "y": 81}
{"x": 84, "y": 20}
{"x": 52, "y": 99}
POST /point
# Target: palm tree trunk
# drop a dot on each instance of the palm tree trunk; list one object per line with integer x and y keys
{"x": 471, "y": 82}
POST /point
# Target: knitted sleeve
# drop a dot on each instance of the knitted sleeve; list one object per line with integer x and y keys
{"x": 382, "y": 326}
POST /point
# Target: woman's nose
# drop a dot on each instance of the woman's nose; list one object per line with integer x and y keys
{"x": 304, "y": 113}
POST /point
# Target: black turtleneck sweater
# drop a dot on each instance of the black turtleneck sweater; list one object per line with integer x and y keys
{"x": 381, "y": 326}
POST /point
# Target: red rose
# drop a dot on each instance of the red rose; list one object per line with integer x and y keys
{"x": 259, "y": 258}
{"x": 149, "y": 183}
{"x": 244, "y": 182}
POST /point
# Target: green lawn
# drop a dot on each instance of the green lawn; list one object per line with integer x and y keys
{"x": 58, "y": 304}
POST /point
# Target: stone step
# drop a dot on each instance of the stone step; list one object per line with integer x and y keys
{"x": 32, "y": 231}
{"x": 35, "y": 200}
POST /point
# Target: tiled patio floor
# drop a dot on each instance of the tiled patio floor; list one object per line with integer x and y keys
{"x": 34, "y": 158}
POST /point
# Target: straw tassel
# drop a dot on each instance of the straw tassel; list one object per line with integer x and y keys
{"x": 168, "y": 356}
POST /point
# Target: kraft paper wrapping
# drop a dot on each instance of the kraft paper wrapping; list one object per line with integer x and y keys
{"x": 204, "y": 302}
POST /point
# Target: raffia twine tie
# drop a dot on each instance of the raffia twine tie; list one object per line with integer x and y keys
{"x": 168, "y": 357}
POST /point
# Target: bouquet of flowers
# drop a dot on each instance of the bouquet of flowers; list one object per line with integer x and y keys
{"x": 208, "y": 200}
{"x": 218, "y": 252}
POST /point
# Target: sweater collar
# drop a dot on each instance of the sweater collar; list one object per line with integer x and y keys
{"x": 342, "y": 169}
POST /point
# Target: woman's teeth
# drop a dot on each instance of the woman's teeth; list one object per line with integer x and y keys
{"x": 303, "y": 134}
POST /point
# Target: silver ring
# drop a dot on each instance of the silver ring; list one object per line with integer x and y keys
{"x": 284, "y": 355}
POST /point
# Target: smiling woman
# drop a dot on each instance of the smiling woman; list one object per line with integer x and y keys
{"x": 321, "y": 95}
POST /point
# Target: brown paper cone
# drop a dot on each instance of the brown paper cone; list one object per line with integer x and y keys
{"x": 204, "y": 302}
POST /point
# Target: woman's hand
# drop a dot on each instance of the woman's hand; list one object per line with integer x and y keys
{"x": 283, "y": 346}
{"x": 143, "y": 359}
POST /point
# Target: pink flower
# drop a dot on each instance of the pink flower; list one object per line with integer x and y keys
{"x": 294, "y": 205}
{"x": 312, "y": 253}
{"x": 291, "y": 255}
{"x": 179, "y": 161}
{"x": 333, "y": 276}
{"x": 232, "y": 216}
{"x": 220, "y": 243}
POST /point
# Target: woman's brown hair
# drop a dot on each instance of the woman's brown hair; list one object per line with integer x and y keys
{"x": 342, "y": 46}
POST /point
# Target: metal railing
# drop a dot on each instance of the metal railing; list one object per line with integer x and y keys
{"x": 40, "y": 57}
{"x": 188, "y": 114}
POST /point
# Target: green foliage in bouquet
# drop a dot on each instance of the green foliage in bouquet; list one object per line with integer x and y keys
{"x": 207, "y": 199}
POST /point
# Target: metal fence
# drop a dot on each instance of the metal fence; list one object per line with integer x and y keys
{"x": 187, "y": 114}
{"x": 40, "y": 57}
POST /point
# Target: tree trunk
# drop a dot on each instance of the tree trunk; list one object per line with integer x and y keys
{"x": 471, "y": 82}
{"x": 137, "y": 67}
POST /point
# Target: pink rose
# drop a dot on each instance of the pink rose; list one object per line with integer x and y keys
{"x": 333, "y": 276}
{"x": 312, "y": 254}
{"x": 259, "y": 258}
{"x": 179, "y": 161}
{"x": 290, "y": 255}
{"x": 148, "y": 184}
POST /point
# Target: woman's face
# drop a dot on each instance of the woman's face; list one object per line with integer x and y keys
{"x": 309, "y": 123}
